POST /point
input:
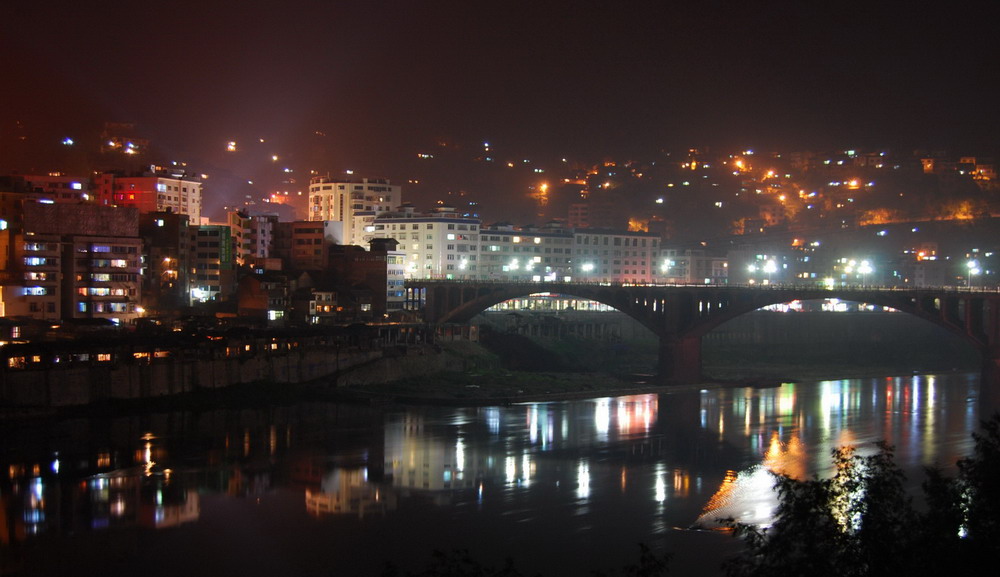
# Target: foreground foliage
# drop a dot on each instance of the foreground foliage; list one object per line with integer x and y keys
{"x": 861, "y": 522}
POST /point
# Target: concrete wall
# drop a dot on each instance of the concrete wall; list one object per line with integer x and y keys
{"x": 180, "y": 371}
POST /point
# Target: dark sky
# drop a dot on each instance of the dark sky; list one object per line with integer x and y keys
{"x": 385, "y": 80}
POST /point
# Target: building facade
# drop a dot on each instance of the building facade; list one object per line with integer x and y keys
{"x": 253, "y": 235}
{"x": 691, "y": 266}
{"x": 437, "y": 245}
{"x": 529, "y": 254}
{"x": 73, "y": 261}
{"x": 355, "y": 203}
{"x": 158, "y": 190}
{"x": 212, "y": 262}
{"x": 615, "y": 256}
{"x": 305, "y": 245}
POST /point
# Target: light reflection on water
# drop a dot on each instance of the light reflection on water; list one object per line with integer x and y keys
{"x": 563, "y": 487}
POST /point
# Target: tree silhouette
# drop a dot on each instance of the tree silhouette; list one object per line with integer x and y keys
{"x": 861, "y": 522}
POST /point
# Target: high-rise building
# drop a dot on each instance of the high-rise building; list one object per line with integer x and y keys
{"x": 355, "y": 203}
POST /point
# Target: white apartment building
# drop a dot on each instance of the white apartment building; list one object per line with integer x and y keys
{"x": 437, "y": 245}
{"x": 446, "y": 245}
{"x": 356, "y": 203}
{"x": 615, "y": 256}
{"x": 691, "y": 266}
{"x": 526, "y": 255}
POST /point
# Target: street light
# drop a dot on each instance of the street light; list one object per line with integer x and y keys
{"x": 770, "y": 267}
{"x": 865, "y": 269}
{"x": 973, "y": 266}
{"x": 665, "y": 267}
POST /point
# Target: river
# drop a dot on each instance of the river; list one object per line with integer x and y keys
{"x": 562, "y": 488}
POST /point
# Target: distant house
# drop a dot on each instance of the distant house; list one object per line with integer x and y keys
{"x": 265, "y": 297}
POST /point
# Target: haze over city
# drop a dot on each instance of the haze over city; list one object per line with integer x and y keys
{"x": 465, "y": 101}
{"x": 321, "y": 287}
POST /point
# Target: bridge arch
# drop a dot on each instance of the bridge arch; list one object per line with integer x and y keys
{"x": 454, "y": 305}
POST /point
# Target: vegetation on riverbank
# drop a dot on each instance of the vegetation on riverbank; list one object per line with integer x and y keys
{"x": 861, "y": 522}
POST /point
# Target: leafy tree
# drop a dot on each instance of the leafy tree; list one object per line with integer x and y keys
{"x": 979, "y": 484}
{"x": 861, "y": 522}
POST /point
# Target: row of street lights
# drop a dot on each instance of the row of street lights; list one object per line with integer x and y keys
{"x": 852, "y": 266}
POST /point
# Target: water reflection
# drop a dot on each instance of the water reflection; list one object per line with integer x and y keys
{"x": 348, "y": 492}
{"x": 794, "y": 434}
{"x": 609, "y": 472}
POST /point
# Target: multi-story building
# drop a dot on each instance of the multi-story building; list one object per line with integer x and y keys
{"x": 265, "y": 296}
{"x": 691, "y": 266}
{"x": 73, "y": 261}
{"x": 441, "y": 244}
{"x": 59, "y": 187}
{"x": 253, "y": 234}
{"x": 395, "y": 274}
{"x": 53, "y": 188}
{"x": 212, "y": 272}
{"x": 364, "y": 273}
{"x": 165, "y": 238}
{"x": 579, "y": 215}
{"x": 162, "y": 189}
{"x": 615, "y": 256}
{"x": 355, "y": 203}
{"x": 526, "y": 254}
{"x": 305, "y": 245}
{"x": 32, "y": 278}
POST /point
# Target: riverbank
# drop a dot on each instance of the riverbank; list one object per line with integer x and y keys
{"x": 467, "y": 373}
{"x": 484, "y": 381}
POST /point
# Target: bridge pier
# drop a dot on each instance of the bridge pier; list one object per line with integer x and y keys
{"x": 680, "y": 359}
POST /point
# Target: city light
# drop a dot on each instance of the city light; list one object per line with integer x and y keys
{"x": 865, "y": 269}
{"x": 973, "y": 266}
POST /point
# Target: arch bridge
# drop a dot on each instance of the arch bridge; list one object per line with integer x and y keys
{"x": 679, "y": 315}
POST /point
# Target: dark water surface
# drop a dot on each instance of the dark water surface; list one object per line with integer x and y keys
{"x": 337, "y": 489}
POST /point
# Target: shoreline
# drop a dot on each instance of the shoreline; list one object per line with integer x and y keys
{"x": 403, "y": 393}
{"x": 444, "y": 389}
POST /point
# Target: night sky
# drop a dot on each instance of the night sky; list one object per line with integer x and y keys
{"x": 368, "y": 85}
